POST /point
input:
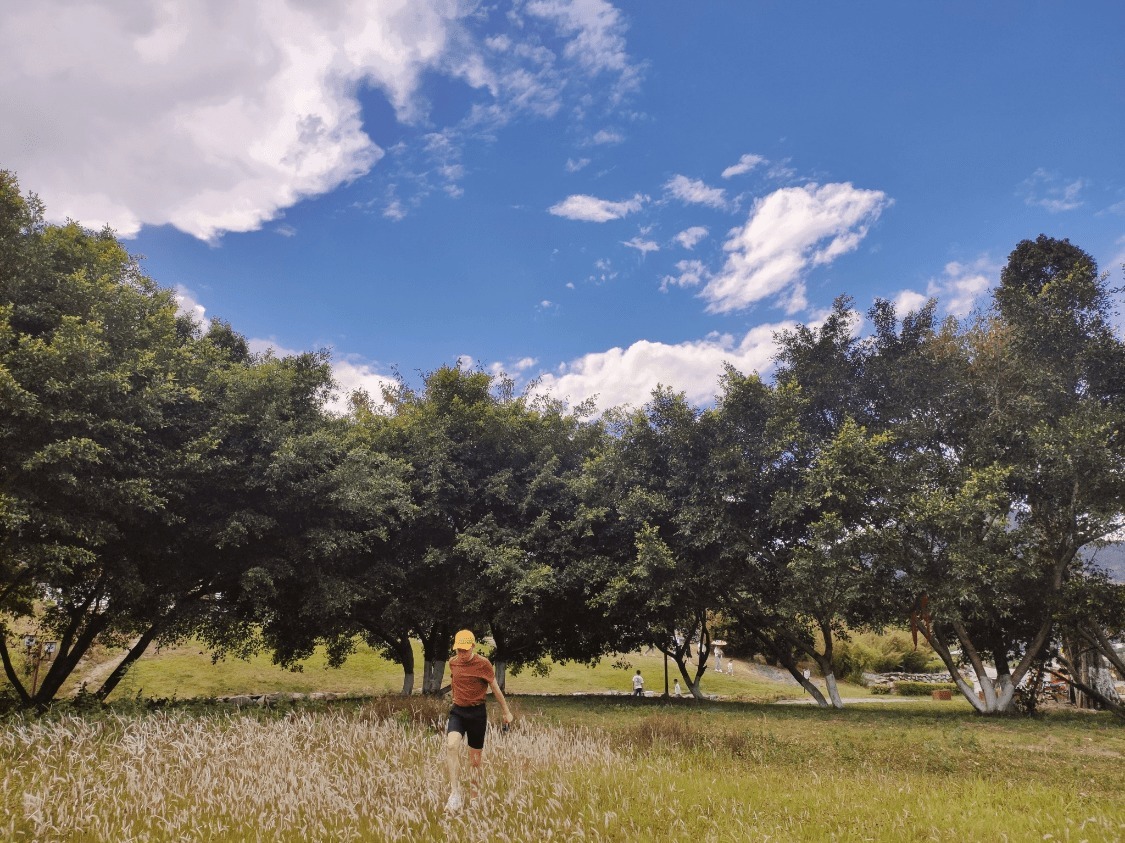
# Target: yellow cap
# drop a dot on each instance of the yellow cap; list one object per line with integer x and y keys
{"x": 464, "y": 640}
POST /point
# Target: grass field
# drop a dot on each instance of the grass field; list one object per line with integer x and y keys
{"x": 186, "y": 671}
{"x": 572, "y": 769}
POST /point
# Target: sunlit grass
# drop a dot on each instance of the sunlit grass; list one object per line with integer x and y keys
{"x": 572, "y": 769}
{"x": 186, "y": 671}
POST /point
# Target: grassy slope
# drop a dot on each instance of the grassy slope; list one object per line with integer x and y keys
{"x": 187, "y": 671}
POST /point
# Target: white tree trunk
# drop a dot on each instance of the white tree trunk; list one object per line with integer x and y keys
{"x": 431, "y": 683}
{"x": 407, "y": 684}
{"x": 1007, "y": 692}
{"x": 833, "y": 691}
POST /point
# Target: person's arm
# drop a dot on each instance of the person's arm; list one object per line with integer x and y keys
{"x": 496, "y": 692}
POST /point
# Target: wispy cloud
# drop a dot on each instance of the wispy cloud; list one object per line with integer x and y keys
{"x": 606, "y": 137}
{"x": 642, "y": 245}
{"x": 689, "y": 238}
{"x": 695, "y": 192}
{"x": 692, "y": 273}
{"x": 596, "y": 32}
{"x": 1051, "y": 191}
{"x": 592, "y": 209}
{"x": 745, "y": 164}
{"x": 788, "y": 232}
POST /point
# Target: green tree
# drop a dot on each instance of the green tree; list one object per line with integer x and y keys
{"x": 99, "y": 379}
{"x": 1026, "y": 469}
{"x": 663, "y": 570}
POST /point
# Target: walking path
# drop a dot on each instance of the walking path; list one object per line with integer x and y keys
{"x": 882, "y": 698}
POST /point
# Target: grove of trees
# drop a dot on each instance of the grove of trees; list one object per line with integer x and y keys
{"x": 159, "y": 481}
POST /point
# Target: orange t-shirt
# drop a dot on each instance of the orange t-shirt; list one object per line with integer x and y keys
{"x": 470, "y": 679}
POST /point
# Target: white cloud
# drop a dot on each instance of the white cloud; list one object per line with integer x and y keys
{"x": 692, "y": 274}
{"x": 641, "y": 245}
{"x": 604, "y": 272}
{"x": 788, "y": 232}
{"x": 628, "y": 375}
{"x": 909, "y": 301}
{"x": 745, "y": 164}
{"x": 215, "y": 117}
{"x": 591, "y": 209}
{"x": 695, "y": 192}
{"x": 1051, "y": 191}
{"x": 209, "y": 118}
{"x": 963, "y": 285}
{"x": 597, "y": 36}
{"x": 573, "y": 166}
{"x": 187, "y": 304}
{"x": 605, "y": 137}
{"x": 512, "y": 368}
{"x": 350, "y": 372}
{"x": 690, "y": 237}
{"x": 957, "y": 291}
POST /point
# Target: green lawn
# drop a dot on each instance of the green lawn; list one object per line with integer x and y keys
{"x": 187, "y": 671}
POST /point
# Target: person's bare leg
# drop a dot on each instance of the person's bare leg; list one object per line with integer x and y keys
{"x": 453, "y": 767}
{"x": 474, "y": 772}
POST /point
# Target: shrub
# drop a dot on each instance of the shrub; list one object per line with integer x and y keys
{"x": 885, "y": 652}
{"x": 922, "y": 689}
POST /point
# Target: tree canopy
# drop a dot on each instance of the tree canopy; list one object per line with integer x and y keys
{"x": 160, "y": 481}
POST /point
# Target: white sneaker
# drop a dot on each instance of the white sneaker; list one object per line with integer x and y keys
{"x": 454, "y": 803}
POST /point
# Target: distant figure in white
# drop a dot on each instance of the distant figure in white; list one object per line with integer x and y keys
{"x": 471, "y": 677}
{"x": 678, "y": 691}
{"x": 638, "y": 685}
{"x": 718, "y": 660}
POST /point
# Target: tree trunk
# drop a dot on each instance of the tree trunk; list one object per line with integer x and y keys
{"x": 67, "y": 658}
{"x": 833, "y": 691}
{"x": 826, "y": 668}
{"x": 10, "y": 672}
{"x": 405, "y": 654}
{"x": 501, "y": 668}
{"x": 947, "y": 658}
{"x": 433, "y": 673}
{"x": 135, "y": 652}
{"x": 771, "y": 648}
{"x": 986, "y": 686}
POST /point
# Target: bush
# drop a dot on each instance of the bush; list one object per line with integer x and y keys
{"x": 922, "y": 689}
{"x": 887, "y": 652}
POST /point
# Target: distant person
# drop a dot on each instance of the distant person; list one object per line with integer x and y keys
{"x": 678, "y": 691}
{"x": 730, "y": 667}
{"x": 638, "y": 685}
{"x": 718, "y": 659}
{"x": 471, "y": 675}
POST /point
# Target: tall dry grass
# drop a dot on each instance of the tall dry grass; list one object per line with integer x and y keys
{"x": 371, "y": 773}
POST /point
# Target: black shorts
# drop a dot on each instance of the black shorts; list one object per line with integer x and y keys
{"x": 470, "y": 721}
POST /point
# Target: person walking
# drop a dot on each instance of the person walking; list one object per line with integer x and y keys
{"x": 638, "y": 685}
{"x": 471, "y": 675}
{"x": 679, "y": 692}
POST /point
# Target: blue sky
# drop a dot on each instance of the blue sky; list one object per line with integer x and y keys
{"x": 602, "y": 195}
